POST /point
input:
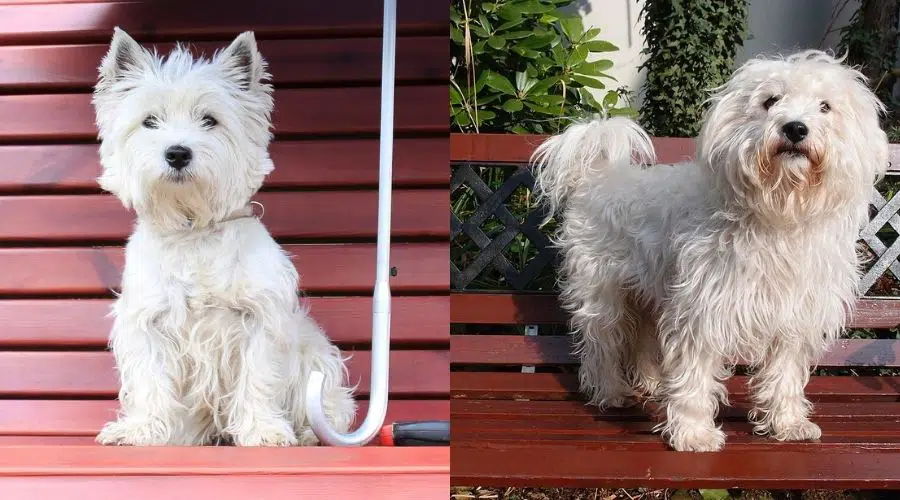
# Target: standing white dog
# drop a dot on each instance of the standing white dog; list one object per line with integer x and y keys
{"x": 210, "y": 339}
{"x": 674, "y": 273}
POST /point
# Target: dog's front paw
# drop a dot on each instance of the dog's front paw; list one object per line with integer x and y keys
{"x": 276, "y": 433}
{"x": 134, "y": 432}
{"x": 801, "y": 430}
{"x": 696, "y": 438}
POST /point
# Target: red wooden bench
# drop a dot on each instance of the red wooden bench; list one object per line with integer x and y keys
{"x": 61, "y": 238}
{"x": 518, "y": 419}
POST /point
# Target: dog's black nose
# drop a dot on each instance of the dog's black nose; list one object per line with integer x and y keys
{"x": 795, "y": 131}
{"x": 178, "y": 157}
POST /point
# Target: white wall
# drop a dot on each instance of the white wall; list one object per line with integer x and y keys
{"x": 774, "y": 26}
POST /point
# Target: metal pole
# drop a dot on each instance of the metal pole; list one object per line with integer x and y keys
{"x": 381, "y": 300}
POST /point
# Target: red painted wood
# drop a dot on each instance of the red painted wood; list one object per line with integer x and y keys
{"x": 523, "y": 464}
{"x": 351, "y": 214}
{"x": 94, "y": 21}
{"x": 346, "y": 320}
{"x": 511, "y": 148}
{"x": 78, "y": 374}
{"x": 559, "y": 386}
{"x": 308, "y": 62}
{"x": 50, "y": 419}
{"x": 557, "y": 349}
{"x": 307, "y": 164}
{"x": 219, "y": 460}
{"x": 522, "y": 309}
{"x": 349, "y": 486}
{"x": 338, "y": 268}
{"x": 300, "y": 111}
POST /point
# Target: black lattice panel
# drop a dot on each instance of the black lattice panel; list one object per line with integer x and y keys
{"x": 493, "y": 204}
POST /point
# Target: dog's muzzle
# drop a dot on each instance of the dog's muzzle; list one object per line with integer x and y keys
{"x": 178, "y": 157}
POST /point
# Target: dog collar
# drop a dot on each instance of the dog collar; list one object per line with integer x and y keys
{"x": 241, "y": 213}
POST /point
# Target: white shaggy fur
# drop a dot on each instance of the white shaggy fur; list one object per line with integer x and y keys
{"x": 674, "y": 273}
{"x": 209, "y": 336}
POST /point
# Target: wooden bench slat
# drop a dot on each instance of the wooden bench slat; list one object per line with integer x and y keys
{"x": 557, "y": 350}
{"x": 306, "y": 164}
{"x": 94, "y": 21}
{"x": 525, "y": 309}
{"x": 351, "y": 214}
{"x": 308, "y": 62}
{"x": 515, "y": 148}
{"x": 479, "y": 410}
{"x": 335, "y": 268}
{"x": 518, "y": 464}
{"x": 92, "y": 374}
{"x": 346, "y": 320}
{"x": 349, "y": 110}
{"x": 57, "y": 418}
{"x": 217, "y": 460}
{"x": 557, "y": 386}
{"x": 346, "y": 486}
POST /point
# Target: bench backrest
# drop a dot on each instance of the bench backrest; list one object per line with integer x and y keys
{"x": 61, "y": 238}
{"x": 483, "y": 339}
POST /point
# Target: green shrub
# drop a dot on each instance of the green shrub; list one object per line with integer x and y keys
{"x": 690, "y": 48}
{"x": 522, "y": 66}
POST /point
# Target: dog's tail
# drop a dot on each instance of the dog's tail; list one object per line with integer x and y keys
{"x": 584, "y": 151}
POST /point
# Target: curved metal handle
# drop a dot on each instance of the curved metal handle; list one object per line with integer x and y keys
{"x": 381, "y": 299}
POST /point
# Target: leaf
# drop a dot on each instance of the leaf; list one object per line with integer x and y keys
{"x": 478, "y": 31}
{"x": 535, "y": 7}
{"x": 610, "y": 100}
{"x": 537, "y": 41}
{"x": 513, "y": 106}
{"x": 590, "y": 34}
{"x": 456, "y": 35}
{"x": 629, "y": 112}
{"x": 577, "y": 56}
{"x": 512, "y": 23}
{"x": 521, "y": 80}
{"x": 455, "y": 96}
{"x": 600, "y": 46}
{"x": 589, "y": 82}
{"x": 572, "y": 27}
{"x": 587, "y": 98}
{"x": 497, "y": 42}
{"x": 516, "y": 35}
{"x": 593, "y": 68}
{"x": 714, "y": 494}
{"x": 499, "y": 82}
{"x": 543, "y": 86}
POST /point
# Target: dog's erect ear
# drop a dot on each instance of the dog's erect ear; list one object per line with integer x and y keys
{"x": 243, "y": 62}
{"x": 125, "y": 57}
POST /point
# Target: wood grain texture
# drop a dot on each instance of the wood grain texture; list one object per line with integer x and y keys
{"x": 308, "y": 62}
{"x": 518, "y": 464}
{"x": 352, "y": 110}
{"x": 415, "y": 373}
{"x": 527, "y": 309}
{"x": 346, "y": 486}
{"x": 350, "y": 486}
{"x": 564, "y": 386}
{"x": 298, "y": 164}
{"x": 333, "y": 268}
{"x": 346, "y": 320}
{"x": 93, "y": 21}
{"x": 351, "y": 214}
{"x": 51, "y": 419}
{"x": 557, "y": 350}
{"x": 514, "y": 148}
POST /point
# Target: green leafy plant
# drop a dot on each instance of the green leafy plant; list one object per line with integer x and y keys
{"x": 690, "y": 48}
{"x": 525, "y": 66}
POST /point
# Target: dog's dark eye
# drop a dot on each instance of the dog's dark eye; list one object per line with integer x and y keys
{"x": 824, "y": 107}
{"x": 771, "y": 101}
{"x": 208, "y": 121}
{"x": 150, "y": 122}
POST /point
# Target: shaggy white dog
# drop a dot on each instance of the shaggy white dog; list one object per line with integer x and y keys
{"x": 674, "y": 273}
{"x": 209, "y": 336}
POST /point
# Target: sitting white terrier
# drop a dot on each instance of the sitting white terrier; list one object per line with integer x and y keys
{"x": 209, "y": 336}
{"x": 674, "y": 273}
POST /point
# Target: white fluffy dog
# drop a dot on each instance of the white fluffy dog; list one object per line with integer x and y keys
{"x": 209, "y": 336}
{"x": 674, "y": 273}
